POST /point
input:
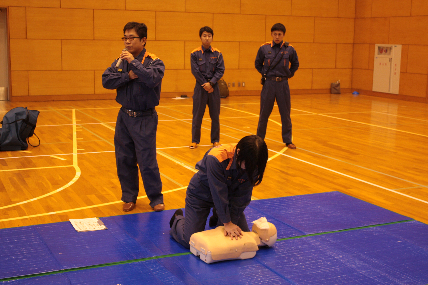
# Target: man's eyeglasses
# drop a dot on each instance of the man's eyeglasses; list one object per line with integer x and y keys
{"x": 129, "y": 38}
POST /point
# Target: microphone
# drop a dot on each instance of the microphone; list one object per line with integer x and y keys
{"x": 120, "y": 60}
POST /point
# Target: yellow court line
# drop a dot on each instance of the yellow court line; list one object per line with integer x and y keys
{"x": 35, "y": 168}
{"x": 75, "y": 165}
{"x": 81, "y": 208}
{"x": 273, "y": 121}
{"x": 57, "y": 157}
{"x": 278, "y": 154}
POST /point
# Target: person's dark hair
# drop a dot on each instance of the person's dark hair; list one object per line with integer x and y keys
{"x": 278, "y": 27}
{"x": 253, "y": 150}
{"x": 140, "y": 28}
{"x": 206, "y": 29}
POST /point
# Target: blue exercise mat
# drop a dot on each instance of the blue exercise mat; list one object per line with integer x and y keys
{"x": 377, "y": 255}
{"x": 324, "y": 212}
{"x": 50, "y": 247}
{"x": 23, "y": 252}
{"x": 389, "y": 254}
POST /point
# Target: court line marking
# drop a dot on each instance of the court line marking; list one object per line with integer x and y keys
{"x": 273, "y": 121}
{"x": 36, "y": 168}
{"x": 362, "y": 123}
{"x": 75, "y": 165}
{"x": 352, "y": 177}
{"x": 81, "y": 208}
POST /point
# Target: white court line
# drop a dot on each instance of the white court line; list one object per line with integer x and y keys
{"x": 362, "y": 123}
{"x": 75, "y": 165}
{"x": 81, "y": 208}
{"x": 354, "y": 178}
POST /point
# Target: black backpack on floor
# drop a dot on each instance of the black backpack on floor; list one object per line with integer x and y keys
{"x": 17, "y": 126}
{"x": 224, "y": 90}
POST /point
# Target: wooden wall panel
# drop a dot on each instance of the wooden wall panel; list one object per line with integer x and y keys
{"x": 247, "y": 54}
{"x": 19, "y": 83}
{"x": 419, "y": 8}
{"x": 344, "y": 54}
{"x": 297, "y": 29}
{"x": 61, "y": 82}
{"x": 301, "y": 80}
{"x": 412, "y": 84}
{"x": 417, "y": 59}
{"x": 334, "y": 30}
{"x": 371, "y": 56}
{"x": 409, "y": 30}
{"x": 170, "y": 52}
{"x": 230, "y": 52}
{"x": 31, "y": 3}
{"x": 323, "y": 77}
{"x": 220, "y": 6}
{"x": 250, "y": 76}
{"x": 361, "y": 56}
{"x": 94, "y": 4}
{"x": 158, "y": 5}
{"x": 372, "y": 31}
{"x": 98, "y": 81}
{"x": 362, "y": 79}
{"x": 363, "y": 8}
{"x": 325, "y": 8}
{"x": 391, "y": 8}
{"x": 404, "y": 57}
{"x": 346, "y": 9}
{"x": 35, "y": 54}
{"x": 17, "y": 23}
{"x": 228, "y": 27}
{"x": 108, "y": 24}
{"x": 54, "y": 23}
{"x": 316, "y": 55}
{"x": 182, "y": 26}
{"x": 255, "y": 7}
{"x": 89, "y": 54}
{"x": 178, "y": 81}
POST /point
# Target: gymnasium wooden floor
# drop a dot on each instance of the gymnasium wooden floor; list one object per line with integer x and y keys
{"x": 371, "y": 148}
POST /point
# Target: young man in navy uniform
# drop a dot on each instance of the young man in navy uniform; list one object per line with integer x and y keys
{"x": 277, "y": 61}
{"x": 225, "y": 179}
{"x": 208, "y": 67}
{"x": 137, "y": 79}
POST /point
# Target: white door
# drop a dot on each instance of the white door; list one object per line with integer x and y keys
{"x": 382, "y": 74}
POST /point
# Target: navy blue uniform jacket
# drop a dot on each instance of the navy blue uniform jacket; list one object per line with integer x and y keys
{"x": 141, "y": 93}
{"x": 288, "y": 62}
{"x": 207, "y": 64}
{"x": 223, "y": 184}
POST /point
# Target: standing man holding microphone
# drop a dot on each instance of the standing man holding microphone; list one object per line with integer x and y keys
{"x": 137, "y": 77}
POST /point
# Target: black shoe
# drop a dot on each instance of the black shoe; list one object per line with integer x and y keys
{"x": 213, "y": 219}
{"x": 178, "y": 212}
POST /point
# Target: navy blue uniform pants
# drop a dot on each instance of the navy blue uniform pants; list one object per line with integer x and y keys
{"x": 135, "y": 143}
{"x": 201, "y": 99}
{"x": 281, "y": 92}
{"x": 196, "y": 214}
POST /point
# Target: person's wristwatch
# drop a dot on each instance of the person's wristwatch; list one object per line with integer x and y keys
{"x": 212, "y": 84}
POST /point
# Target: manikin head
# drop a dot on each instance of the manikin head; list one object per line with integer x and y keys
{"x": 266, "y": 231}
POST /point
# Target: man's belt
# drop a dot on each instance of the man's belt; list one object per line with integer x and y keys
{"x": 133, "y": 113}
{"x": 278, "y": 78}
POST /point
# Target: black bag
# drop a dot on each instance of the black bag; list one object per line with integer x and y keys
{"x": 17, "y": 126}
{"x": 224, "y": 90}
{"x": 335, "y": 87}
